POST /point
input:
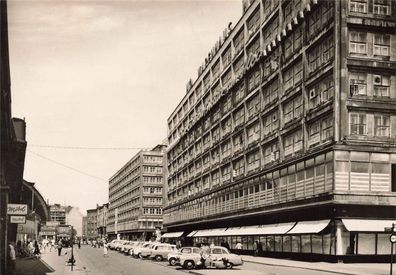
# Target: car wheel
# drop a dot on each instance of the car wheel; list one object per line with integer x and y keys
{"x": 229, "y": 265}
{"x": 172, "y": 261}
{"x": 189, "y": 265}
{"x": 158, "y": 258}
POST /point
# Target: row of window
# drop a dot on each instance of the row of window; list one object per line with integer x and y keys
{"x": 379, "y": 7}
{"x": 227, "y": 172}
{"x": 368, "y": 124}
{"x": 254, "y": 133}
{"x": 369, "y": 44}
{"x": 320, "y": 16}
{"x": 156, "y": 211}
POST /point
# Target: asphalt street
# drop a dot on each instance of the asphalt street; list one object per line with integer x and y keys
{"x": 91, "y": 260}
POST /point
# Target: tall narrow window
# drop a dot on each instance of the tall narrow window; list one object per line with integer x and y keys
{"x": 381, "y": 126}
{"x": 381, "y": 7}
{"x": 381, "y": 85}
{"x": 381, "y": 44}
{"x": 358, "y": 42}
{"x": 358, "y": 6}
{"x": 358, "y": 124}
{"x": 358, "y": 83}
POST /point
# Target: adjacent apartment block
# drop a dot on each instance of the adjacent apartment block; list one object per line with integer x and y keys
{"x": 58, "y": 213}
{"x": 92, "y": 221}
{"x": 287, "y": 136}
{"x": 136, "y": 196}
{"x": 102, "y": 220}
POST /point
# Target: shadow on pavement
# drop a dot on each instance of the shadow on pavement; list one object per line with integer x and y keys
{"x": 29, "y": 266}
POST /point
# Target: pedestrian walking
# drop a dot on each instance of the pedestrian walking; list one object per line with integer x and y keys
{"x": 36, "y": 249}
{"x": 79, "y": 244}
{"x": 255, "y": 248}
{"x": 105, "y": 250}
{"x": 59, "y": 247}
{"x": 11, "y": 257}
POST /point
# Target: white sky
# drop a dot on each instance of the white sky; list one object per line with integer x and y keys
{"x": 102, "y": 74}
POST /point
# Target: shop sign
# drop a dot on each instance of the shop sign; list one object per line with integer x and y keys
{"x": 52, "y": 223}
{"x": 16, "y": 209}
{"x": 17, "y": 219}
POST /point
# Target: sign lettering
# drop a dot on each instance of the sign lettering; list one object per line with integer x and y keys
{"x": 17, "y": 209}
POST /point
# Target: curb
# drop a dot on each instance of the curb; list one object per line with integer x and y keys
{"x": 300, "y": 267}
{"x": 46, "y": 265}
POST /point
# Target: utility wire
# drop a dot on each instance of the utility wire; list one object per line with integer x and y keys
{"x": 86, "y": 147}
{"x": 66, "y": 166}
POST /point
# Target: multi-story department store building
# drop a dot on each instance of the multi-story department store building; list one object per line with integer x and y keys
{"x": 136, "y": 196}
{"x": 287, "y": 136}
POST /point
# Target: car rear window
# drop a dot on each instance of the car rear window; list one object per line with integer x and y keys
{"x": 186, "y": 250}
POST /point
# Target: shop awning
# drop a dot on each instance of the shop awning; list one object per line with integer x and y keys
{"x": 210, "y": 232}
{"x": 243, "y": 231}
{"x": 172, "y": 235}
{"x": 363, "y": 225}
{"x": 268, "y": 229}
{"x": 309, "y": 227}
{"x": 192, "y": 233}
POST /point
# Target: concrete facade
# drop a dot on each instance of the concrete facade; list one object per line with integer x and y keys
{"x": 136, "y": 196}
{"x": 291, "y": 121}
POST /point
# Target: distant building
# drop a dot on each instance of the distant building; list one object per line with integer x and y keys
{"x": 102, "y": 220}
{"x": 92, "y": 224}
{"x": 58, "y": 213}
{"x": 84, "y": 227}
{"x": 74, "y": 218}
{"x": 136, "y": 196}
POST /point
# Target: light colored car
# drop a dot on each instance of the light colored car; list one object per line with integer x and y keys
{"x": 121, "y": 245}
{"x": 145, "y": 251}
{"x": 134, "y": 246}
{"x": 161, "y": 251}
{"x": 125, "y": 246}
{"x": 213, "y": 257}
{"x": 129, "y": 246}
{"x": 137, "y": 251}
{"x": 114, "y": 243}
{"x": 174, "y": 259}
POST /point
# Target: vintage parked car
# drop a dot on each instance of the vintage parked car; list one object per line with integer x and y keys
{"x": 174, "y": 259}
{"x": 120, "y": 246}
{"x": 213, "y": 257}
{"x": 126, "y": 247}
{"x": 114, "y": 244}
{"x": 144, "y": 247}
{"x": 161, "y": 251}
{"x": 145, "y": 251}
{"x": 134, "y": 246}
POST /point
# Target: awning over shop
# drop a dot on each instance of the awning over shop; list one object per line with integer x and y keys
{"x": 172, "y": 234}
{"x": 192, "y": 233}
{"x": 362, "y": 225}
{"x": 268, "y": 229}
{"x": 309, "y": 227}
{"x": 276, "y": 229}
{"x": 210, "y": 232}
{"x": 243, "y": 231}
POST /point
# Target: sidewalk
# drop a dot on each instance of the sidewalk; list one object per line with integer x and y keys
{"x": 31, "y": 266}
{"x": 58, "y": 263}
{"x": 339, "y": 268}
{"x": 50, "y": 263}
